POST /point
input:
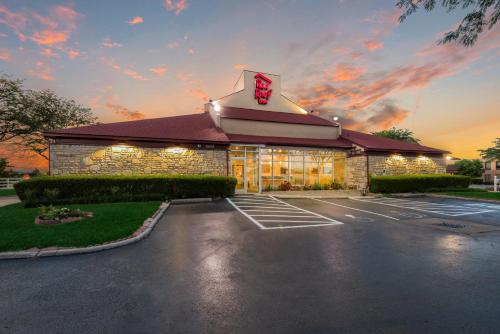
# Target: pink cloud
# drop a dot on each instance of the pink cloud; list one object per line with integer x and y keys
{"x": 4, "y": 55}
{"x": 16, "y": 21}
{"x": 176, "y": 5}
{"x": 108, "y": 43}
{"x": 346, "y": 72}
{"x": 136, "y": 20}
{"x": 190, "y": 51}
{"x": 159, "y": 70}
{"x": 129, "y": 114}
{"x": 134, "y": 75}
{"x": 49, "y": 53}
{"x": 173, "y": 45}
{"x": 42, "y": 71}
{"x": 50, "y": 37}
{"x": 196, "y": 92}
{"x": 373, "y": 45}
{"x": 240, "y": 66}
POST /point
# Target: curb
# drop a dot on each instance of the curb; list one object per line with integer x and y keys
{"x": 191, "y": 200}
{"x": 467, "y": 198}
{"x": 144, "y": 231}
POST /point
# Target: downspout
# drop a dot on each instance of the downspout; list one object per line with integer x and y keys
{"x": 367, "y": 172}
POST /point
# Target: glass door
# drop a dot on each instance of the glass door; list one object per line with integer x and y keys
{"x": 238, "y": 171}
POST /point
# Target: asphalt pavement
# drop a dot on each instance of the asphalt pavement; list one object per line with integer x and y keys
{"x": 208, "y": 268}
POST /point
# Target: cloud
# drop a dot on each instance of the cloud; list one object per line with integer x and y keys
{"x": 190, "y": 51}
{"x": 159, "y": 70}
{"x": 49, "y": 53}
{"x": 387, "y": 116}
{"x": 123, "y": 111}
{"x": 173, "y": 45}
{"x": 108, "y": 43}
{"x": 373, "y": 45}
{"x": 15, "y": 21}
{"x": 4, "y": 55}
{"x": 240, "y": 66}
{"x": 176, "y": 5}
{"x": 196, "y": 92}
{"x": 133, "y": 74}
{"x": 136, "y": 20}
{"x": 41, "y": 71}
{"x": 346, "y": 72}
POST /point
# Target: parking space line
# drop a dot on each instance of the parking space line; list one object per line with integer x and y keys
{"x": 298, "y": 226}
{"x": 356, "y": 209}
{"x": 291, "y": 221}
{"x": 436, "y": 208}
{"x": 246, "y": 214}
{"x": 314, "y": 213}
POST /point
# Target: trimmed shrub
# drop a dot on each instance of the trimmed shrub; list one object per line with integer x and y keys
{"x": 416, "y": 182}
{"x": 455, "y": 189}
{"x": 101, "y": 189}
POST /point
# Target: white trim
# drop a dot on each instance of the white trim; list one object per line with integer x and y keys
{"x": 348, "y": 207}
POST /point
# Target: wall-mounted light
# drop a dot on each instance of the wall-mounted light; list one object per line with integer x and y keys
{"x": 423, "y": 157}
{"x": 217, "y": 107}
{"x": 335, "y": 118}
{"x": 448, "y": 157}
{"x": 176, "y": 150}
{"x": 397, "y": 157}
{"x": 121, "y": 148}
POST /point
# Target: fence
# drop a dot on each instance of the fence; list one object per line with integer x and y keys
{"x": 8, "y": 183}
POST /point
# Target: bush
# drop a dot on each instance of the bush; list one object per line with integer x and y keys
{"x": 285, "y": 186}
{"x": 456, "y": 189}
{"x": 416, "y": 183}
{"x": 46, "y": 190}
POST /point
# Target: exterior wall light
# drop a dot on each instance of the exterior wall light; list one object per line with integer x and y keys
{"x": 176, "y": 150}
{"x": 448, "y": 157}
{"x": 423, "y": 157}
{"x": 120, "y": 148}
{"x": 217, "y": 107}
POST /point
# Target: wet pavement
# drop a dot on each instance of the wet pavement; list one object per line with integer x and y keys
{"x": 207, "y": 268}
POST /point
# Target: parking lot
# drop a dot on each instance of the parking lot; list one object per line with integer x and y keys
{"x": 361, "y": 265}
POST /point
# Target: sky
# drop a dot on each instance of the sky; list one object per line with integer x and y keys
{"x": 130, "y": 60}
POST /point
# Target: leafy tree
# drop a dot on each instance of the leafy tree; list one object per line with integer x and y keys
{"x": 492, "y": 153}
{"x": 399, "y": 134}
{"x": 483, "y": 14}
{"x": 472, "y": 168}
{"x": 25, "y": 114}
{"x": 3, "y": 166}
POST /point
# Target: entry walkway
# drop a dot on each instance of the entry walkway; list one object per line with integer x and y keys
{"x": 314, "y": 193}
{"x": 6, "y": 200}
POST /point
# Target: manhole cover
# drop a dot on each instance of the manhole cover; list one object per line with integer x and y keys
{"x": 449, "y": 225}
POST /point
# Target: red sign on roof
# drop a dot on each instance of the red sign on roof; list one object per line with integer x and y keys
{"x": 262, "y": 91}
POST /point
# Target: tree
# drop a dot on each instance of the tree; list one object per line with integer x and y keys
{"x": 3, "y": 166}
{"x": 25, "y": 114}
{"x": 472, "y": 168}
{"x": 484, "y": 14}
{"x": 398, "y": 134}
{"x": 492, "y": 153}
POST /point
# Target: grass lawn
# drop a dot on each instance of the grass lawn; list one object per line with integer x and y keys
{"x": 111, "y": 221}
{"x": 480, "y": 195}
{"x": 7, "y": 192}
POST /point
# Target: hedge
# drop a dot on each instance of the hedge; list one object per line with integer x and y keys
{"x": 101, "y": 189}
{"x": 416, "y": 182}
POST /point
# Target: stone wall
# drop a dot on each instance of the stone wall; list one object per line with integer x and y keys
{"x": 88, "y": 159}
{"x": 398, "y": 165}
{"x": 356, "y": 172}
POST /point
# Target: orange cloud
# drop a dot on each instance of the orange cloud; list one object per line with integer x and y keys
{"x": 159, "y": 70}
{"x": 176, "y": 5}
{"x": 49, "y": 53}
{"x": 240, "y": 66}
{"x": 373, "y": 45}
{"x": 346, "y": 72}
{"x": 4, "y": 55}
{"x": 50, "y": 37}
{"x": 196, "y": 92}
{"x": 125, "y": 112}
{"x": 191, "y": 51}
{"x": 134, "y": 75}
{"x": 136, "y": 20}
{"x": 41, "y": 71}
{"x": 16, "y": 21}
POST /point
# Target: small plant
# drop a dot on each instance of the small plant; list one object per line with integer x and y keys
{"x": 337, "y": 185}
{"x": 316, "y": 186}
{"x": 52, "y": 213}
{"x": 285, "y": 186}
{"x": 268, "y": 188}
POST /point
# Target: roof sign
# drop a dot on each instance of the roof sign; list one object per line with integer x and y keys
{"x": 262, "y": 91}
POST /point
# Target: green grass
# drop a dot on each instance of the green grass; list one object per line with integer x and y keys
{"x": 480, "y": 195}
{"x": 112, "y": 221}
{"x": 7, "y": 192}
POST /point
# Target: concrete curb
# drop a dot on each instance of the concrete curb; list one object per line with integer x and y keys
{"x": 467, "y": 198}
{"x": 191, "y": 200}
{"x": 144, "y": 231}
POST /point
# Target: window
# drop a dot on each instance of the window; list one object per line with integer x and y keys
{"x": 487, "y": 165}
{"x": 497, "y": 164}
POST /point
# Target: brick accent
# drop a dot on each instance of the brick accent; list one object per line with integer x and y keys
{"x": 356, "y": 172}
{"x": 399, "y": 165}
{"x": 92, "y": 159}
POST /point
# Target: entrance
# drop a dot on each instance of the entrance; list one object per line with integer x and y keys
{"x": 246, "y": 173}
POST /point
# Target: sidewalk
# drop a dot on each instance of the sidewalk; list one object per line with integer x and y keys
{"x": 6, "y": 200}
{"x": 313, "y": 193}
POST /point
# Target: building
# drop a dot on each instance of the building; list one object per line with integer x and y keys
{"x": 491, "y": 169}
{"x": 255, "y": 134}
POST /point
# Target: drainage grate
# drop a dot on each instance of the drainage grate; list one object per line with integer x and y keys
{"x": 449, "y": 225}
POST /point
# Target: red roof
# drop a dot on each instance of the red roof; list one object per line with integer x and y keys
{"x": 269, "y": 140}
{"x": 274, "y": 116}
{"x": 193, "y": 128}
{"x": 378, "y": 143}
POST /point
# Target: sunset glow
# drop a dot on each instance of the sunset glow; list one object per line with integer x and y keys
{"x": 130, "y": 60}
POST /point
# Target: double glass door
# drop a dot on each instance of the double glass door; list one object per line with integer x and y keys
{"x": 246, "y": 173}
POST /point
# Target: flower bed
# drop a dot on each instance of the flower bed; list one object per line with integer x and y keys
{"x": 54, "y": 216}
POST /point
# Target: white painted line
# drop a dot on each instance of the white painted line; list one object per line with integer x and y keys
{"x": 289, "y": 211}
{"x": 255, "y": 203}
{"x": 260, "y": 207}
{"x": 250, "y": 200}
{"x": 292, "y": 221}
{"x": 246, "y": 215}
{"x": 299, "y": 226}
{"x": 472, "y": 213}
{"x": 348, "y": 207}
{"x": 314, "y": 213}
{"x": 284, "y": 216}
